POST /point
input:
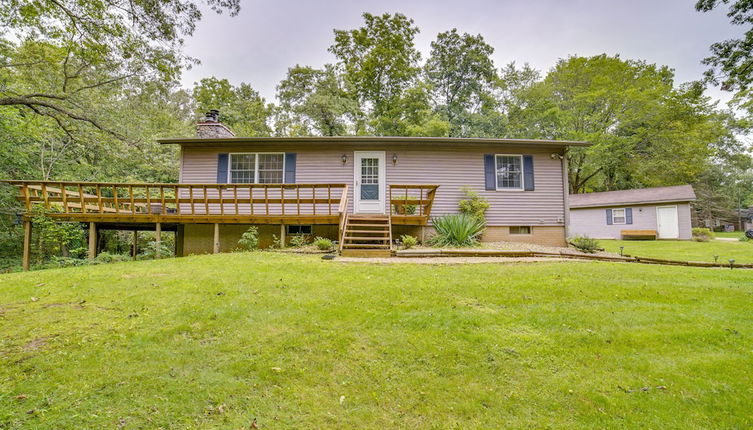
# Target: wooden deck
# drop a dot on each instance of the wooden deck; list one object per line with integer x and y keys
{"x": 137, "y": 204}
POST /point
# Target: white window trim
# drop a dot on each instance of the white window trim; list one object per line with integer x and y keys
{"x": 256, "y": 165}
{"x": 624, "y": 216}
{"x": 522, "y": 173}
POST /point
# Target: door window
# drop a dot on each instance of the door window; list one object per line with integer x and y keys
{"x": 369, "y": 179}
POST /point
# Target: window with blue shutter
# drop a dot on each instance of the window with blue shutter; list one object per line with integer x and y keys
{"x": 290, "y": 159}
{"x": 489, "y": 173}
{"x": 528, "y": 173}
{"x": 222, "y": 168}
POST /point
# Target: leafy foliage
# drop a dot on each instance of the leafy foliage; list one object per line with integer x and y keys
{"x": 249, "y": 240}
{"x": 700, "y": 234}
{"x": 408, "y": 241}
{"x": 323, "y": 243}
{"x": 474, "y": 204}
{"x": 585, "y": 244}
{"x": 457, "y": 230}
{"x": 299, "y": 240}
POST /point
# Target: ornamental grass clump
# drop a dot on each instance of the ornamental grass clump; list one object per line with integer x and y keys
{"x": 457, "y": 230}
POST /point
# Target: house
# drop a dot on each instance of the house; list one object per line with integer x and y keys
{"x": 363, "y": 191}
{"x": 662, "y": 212}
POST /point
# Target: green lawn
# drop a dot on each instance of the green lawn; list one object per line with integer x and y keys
{"x": 734, "y": 234}
{"x": 297, "y": 342}
{"x": 686, "y": 250}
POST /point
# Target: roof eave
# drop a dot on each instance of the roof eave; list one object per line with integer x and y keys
{"x": 642, "y": 202}
{"x": 366, "y": 140}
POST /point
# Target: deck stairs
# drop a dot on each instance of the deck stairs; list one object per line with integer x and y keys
{"x": 367, "y": 236}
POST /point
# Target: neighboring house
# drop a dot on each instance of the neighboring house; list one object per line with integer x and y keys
{"x": 606, "y": 215}
{"x": 364, "y": 191}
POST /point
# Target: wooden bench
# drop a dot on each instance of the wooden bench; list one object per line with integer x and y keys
{"x": 638, "y": 234}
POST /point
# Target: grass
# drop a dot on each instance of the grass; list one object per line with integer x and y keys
{"x": 686, "y": 250}
{"x": 298, "y": 342}
{"x": 734, "y": 234}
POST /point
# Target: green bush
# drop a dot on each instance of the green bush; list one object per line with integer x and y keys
{"x": 323, "y": 243}
{"x": 457, "y": 230}
{"x": 276, "y": 243}
{"x": 406, "y": 208}
{"x": 408, "y": 241}
{"x": 474, "y": 205}
{"x": 150, "y": 250}
{"x": 249, "y": 240}
{"x": 744, "y": 238}
{"x": 106, "y": 257}
{"x": 299, "y": 240}
{"x": 585, "y": 244}
{"x": 702, "y": 234}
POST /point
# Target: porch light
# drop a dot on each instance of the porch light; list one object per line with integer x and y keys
{"x": 394, "y": 159}
{"x": 344, "y": 158}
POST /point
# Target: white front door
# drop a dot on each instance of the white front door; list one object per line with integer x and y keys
{"x": 667, "y": 222}
{"x": 369, "y": 179}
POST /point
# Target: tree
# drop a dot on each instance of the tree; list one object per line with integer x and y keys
{"x": 462, "y": 76}
{"x": 314, "y": 100}
{"x": 644, "y": 131}
{"x": 731, "y": 60}
{"x": 241, "y": 108}
{"x": 379, "y": 62}
{"x": 57, "y": 53}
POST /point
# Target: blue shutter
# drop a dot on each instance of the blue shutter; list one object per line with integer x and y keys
{"x": 628, "y": 215}
{"x": 490, "y": 172}
{"x": 528, "y": 172}
{"x": 222, "y": 166}
{"x": 290, "y": 168}
{"x": 609, "y": 216}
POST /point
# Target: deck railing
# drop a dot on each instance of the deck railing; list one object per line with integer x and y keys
{"x": 118, "y": 200}
{"x": 411, "y": 202}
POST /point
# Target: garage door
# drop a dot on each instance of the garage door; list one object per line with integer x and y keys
{"x": 668, "y": 223}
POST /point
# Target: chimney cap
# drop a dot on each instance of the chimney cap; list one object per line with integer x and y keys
{"x": 212, "y": 116}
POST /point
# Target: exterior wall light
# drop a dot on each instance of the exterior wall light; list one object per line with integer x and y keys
{"x": 344, "y": 159}
{"x": 394, "y": 159}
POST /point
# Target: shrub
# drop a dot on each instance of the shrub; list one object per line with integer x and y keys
{"x": 744, "y": 238}
{"x": 585, "y": 244}
{"x": 106, "y": 257}
{"x": 408, "y": 241}
{"x": 702, "y": 234}
{"x": 474, "y": 204}
{"x": 406, "y": 208}
{"x": 299, "y": 240}
{"x": 249, "y": 239}
{"x": 457, "y": 230}
{"x": 276, "y": 243}
{"x": 151, "y": 250}
{"x": 323, "y": 243}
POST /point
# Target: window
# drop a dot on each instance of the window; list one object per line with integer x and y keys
{"x": 299, "y": 229}
{"x": 251, "y": 168}
{"x": 618, "y": 216}
{"x": 520, "y": 229}
{"x": 509, "y": 172}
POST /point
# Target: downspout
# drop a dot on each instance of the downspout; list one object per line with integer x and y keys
{"x": 566, "y": 192}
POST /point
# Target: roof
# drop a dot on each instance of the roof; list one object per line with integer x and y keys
{"x": 678, "y": 193}
{"x": 366, "y": 140}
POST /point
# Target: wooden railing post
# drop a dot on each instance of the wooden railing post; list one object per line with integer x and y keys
{"x": 157, "y": 240}
{"x": 92, "y": 240}
{"x": 27, "y": 245}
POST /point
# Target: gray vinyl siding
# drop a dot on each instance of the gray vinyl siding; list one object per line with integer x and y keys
{"x": 450, "y": 167}
{"x": 592, "y": 222}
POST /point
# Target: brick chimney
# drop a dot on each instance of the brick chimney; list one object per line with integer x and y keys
{"x": 210, "y": 126}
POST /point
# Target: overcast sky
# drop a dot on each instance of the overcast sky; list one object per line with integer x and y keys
{"x": 267, "y": 37}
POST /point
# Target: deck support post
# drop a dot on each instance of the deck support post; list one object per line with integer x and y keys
{"x": 27, "y": 245}
{"x": 157, "y": 239}
{"x": 92, "y": 240}
{"x": 135, "y": 250}
{"x": 282, "y": 235}
{"x": 216, "y": 248}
